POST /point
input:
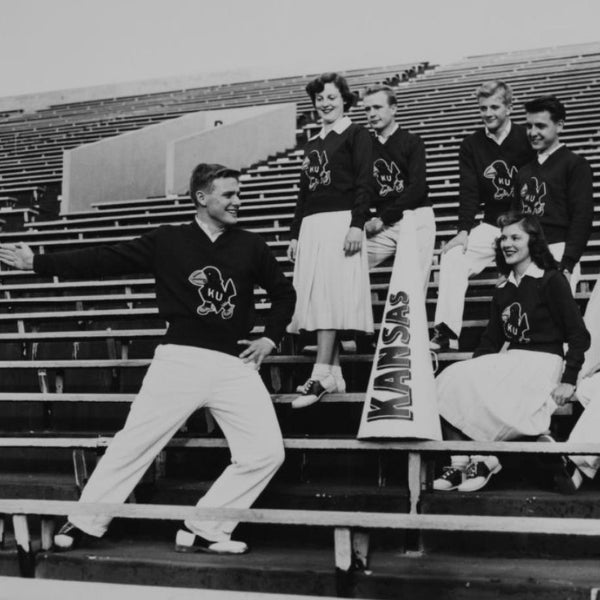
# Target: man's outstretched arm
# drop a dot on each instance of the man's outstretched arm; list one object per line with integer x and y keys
{"x": 133, "y": 256}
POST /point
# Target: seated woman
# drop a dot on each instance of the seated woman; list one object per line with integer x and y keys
{"x": 507, "y": 395}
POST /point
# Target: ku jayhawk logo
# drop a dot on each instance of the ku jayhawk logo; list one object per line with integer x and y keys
{"x": 502, "y": 177}
{"x": 315, "y": 166}
{"x": 216, "y": 294}
{"x": 532, "y": 194}
{"x": 388, "y": 177}
{"x": 515, "y": 323}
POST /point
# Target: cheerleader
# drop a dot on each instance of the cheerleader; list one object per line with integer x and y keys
{"x": 507, "y": 395}
{"x": 327, "y": 235}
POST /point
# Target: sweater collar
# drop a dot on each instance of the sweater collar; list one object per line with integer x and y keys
{"x": 339, "y": 127}
{"x": 542, "y": 157}
{"x": 532, "y": 271}
{"x": 384, "y": 139}
{"x": 498, "y": 139}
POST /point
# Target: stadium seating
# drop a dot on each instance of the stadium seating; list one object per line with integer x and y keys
{"x": 74, "y": 352}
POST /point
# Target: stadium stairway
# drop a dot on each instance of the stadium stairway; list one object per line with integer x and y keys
{"x": 74, "y": 353}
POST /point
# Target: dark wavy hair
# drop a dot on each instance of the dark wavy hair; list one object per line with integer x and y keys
{"x": 538, "y": 246}
{"x": 317, "y": 85}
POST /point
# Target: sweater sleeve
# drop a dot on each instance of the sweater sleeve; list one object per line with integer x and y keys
{"x": 299, "y": 211}
{"x": 414, "y": 192}
{"x": 493, "y": 337}
{"x": 468, "y": 188}
{"x": 567, "y": 315}
{"x": 133, "y": 256}
{"x": 581, "y": 212}
{"x": 280, "y": 291}
{"x": 361, "y": 165}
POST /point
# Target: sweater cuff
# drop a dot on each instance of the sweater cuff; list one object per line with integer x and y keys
{"x": 40, "y": 264}
{"x": 358, "y": 221}
{"x": 566, "y": 263}
{"x": 570, "y": 375}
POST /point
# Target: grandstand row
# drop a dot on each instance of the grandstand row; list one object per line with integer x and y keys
{"x": 73, "y": 355}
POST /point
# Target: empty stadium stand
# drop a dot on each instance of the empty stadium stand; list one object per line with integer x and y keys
{"x": 73, "y": 353}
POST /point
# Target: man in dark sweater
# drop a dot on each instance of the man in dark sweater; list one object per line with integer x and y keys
{"x": 399, "y": 181}
{"x": 556, "y": 186}
{"x": 488, "y": 162}
{"x": 205, "y": 274}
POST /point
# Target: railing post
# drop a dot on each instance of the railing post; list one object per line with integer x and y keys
{"x": 47, "y": 533}
{"x": 24, "y": 551}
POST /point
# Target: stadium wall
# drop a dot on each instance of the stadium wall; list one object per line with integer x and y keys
{"x": 136, "y": 164}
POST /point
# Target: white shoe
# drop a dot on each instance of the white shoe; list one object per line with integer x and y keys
{"x": 186, "y": 541}
{"x": 313, "y": 390}
{"x": 478, "y": 473}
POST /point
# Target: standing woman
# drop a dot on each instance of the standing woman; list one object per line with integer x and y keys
{"x": 328, "y": 245}
{"x": 502, "y": 396}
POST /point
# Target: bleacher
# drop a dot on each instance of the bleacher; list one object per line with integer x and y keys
{"x": 74, "y": 354}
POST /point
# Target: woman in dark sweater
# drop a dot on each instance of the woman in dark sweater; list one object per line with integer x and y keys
{"x": 506, "y": 395}
{"x": 327, "y": 235}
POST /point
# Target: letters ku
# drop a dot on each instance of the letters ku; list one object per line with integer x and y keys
{"x": 216, "y": 295}
{"x": 315, "y": 167}
{"x": 393, "y": 364}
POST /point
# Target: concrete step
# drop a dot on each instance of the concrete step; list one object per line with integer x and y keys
{"x": 309, "y": 569}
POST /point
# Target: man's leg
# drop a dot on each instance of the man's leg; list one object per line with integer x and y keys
{"x": 171, "y": 391}
{"x": 383, "y": 245}
{"x": 557, "y": 251}
{"x": 455, "y": 269}
{"x": 243, "y": 409}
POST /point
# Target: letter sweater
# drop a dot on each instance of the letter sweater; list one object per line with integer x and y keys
{"x": 399, "y": 175}
{"x": 559, "y": 192}
{"x": 539, "y": 314}
{"x": 336, "y": 176}
{"x": 487, "y": 172}
{"x": 204, "y": 289}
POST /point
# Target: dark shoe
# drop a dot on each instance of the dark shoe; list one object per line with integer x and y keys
{"x": 313, "y": 391}
{"x": 443, "y": 339}
{"x": 478, "y": 473}
{"x": 186, "y": 541}
{"x": 69, "y": 537}
{"x": 450, "y": 479}
{"x": 567, "y": 478}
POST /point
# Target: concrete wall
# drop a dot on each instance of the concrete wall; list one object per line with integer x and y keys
{"x": 134, "y": 165}
{"x": 236, "y": 144}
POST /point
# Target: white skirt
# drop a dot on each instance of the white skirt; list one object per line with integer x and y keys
{"x": 332, "y": 289}
{"x": 500, "y": 396}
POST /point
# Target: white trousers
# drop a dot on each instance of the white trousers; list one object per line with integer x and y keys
{"x": 180, "y": 380}
{"x": 587, "y": 428}
{"x": 456, "y": 267}
{"x": 383, "y": 245}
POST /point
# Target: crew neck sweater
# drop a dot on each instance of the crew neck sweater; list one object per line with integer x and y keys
{"x": 538, "y": 314}
{"x": 204, "y": 289}
{"x": 399, "y": 175}
{"x": 559, "y": 193}
{"x": 336, "y": 176}
{"x": 487, "y": 171}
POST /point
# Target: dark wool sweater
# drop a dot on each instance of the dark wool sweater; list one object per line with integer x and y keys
{"x": 559, "y": 192}
{"x": 487, "y": 172}
{"x": 399, "y": 176}
{"x": 204, "y": 289}
{"x": 336, "y": 176}
{"x": 539, "y": 314}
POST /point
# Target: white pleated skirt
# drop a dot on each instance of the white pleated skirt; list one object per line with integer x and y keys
{"x": 333, "y": 290}
{"x": 500, "y": 396}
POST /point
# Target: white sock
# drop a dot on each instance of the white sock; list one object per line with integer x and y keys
{"x": 320, "y": 371}
{"x": 336, "y": 371}
{"x": 459, "y": 461}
